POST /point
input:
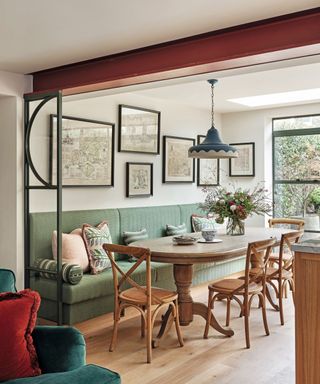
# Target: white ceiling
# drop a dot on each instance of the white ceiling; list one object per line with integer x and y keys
{"x": 39, "y": 34}
{"x": 193, "y": 92}
{"x": 285, "y": 76}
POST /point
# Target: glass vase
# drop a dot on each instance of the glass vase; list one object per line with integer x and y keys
{"x": 235, "y": 226}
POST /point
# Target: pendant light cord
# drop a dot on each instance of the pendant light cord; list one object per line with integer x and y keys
{"x": 212, "y": 104}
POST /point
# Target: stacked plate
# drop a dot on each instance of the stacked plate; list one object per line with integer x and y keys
{"x": 184, "y": 239}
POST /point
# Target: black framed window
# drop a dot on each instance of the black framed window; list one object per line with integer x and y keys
{"x": 296, "y": 169}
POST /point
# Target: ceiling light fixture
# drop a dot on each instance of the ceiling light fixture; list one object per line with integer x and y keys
{"x": 279, "y": 98}
{"x": 212, "y": 147}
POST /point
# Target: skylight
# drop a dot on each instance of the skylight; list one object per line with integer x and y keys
{"x": 279, "y": 98}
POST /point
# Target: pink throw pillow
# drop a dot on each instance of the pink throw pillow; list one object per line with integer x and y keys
{"x": 73, "y": 248}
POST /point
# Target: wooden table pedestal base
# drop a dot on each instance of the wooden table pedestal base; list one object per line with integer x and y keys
{"x": 187, "y": 307}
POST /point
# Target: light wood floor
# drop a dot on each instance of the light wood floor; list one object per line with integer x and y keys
{"x": 215, "y": 360}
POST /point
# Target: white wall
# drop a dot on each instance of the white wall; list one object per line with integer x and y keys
{"x": 12, "y": 88}
{"x": 14, "y": 84}
{"x": 176, "y": 120}
{"x": 256, "y": 126}
{"x": 8, "y": 185}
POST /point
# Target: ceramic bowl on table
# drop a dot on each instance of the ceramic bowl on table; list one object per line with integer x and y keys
{"x": 208, "y": 234}
{"x": 184, "y": 239}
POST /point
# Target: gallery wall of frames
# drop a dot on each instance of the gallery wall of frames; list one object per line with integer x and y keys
{"x": 126, "y": 150}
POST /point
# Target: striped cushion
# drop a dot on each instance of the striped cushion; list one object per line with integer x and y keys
{"x": 130, "y": 237}
{"x": 71, "y": 273}
{"x": 172, "y": 230}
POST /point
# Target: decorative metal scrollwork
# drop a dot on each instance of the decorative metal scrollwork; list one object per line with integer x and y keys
{"x": 27, "y": 141}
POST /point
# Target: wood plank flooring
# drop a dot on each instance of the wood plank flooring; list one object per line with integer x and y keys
{"x": 217, "y": 360}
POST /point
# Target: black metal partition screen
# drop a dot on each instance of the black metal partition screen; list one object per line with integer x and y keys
{"x": 41, "y": 184}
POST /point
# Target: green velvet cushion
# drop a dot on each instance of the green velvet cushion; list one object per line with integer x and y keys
{"x": 172, "y": 230}
{"x": 130, "y": 237}
{"x": 7, "y": 281}
{"x": 71, "y": 273}
{"x": 59, "y": 349}
{"x": 87, "y": 374}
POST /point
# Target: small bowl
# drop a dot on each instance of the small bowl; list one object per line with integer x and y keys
{"x": 208, "y": 234}
{"x": 184, "y": 239}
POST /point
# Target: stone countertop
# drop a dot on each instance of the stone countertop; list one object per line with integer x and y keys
{"x": 308, "y": 246}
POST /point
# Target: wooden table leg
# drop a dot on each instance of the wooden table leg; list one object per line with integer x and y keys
{"x": 183, "y": 279}
{"x": 167, "y": 321}
{"x": 201, "y": 310}
{"x": 187, "y": 308}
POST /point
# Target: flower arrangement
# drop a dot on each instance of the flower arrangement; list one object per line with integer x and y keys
{"x": 236, "y": 205}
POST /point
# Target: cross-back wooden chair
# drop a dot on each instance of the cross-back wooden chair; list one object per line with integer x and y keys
{"x": 297, "y": 224}
{"x": 283, "y": 274}
{"x": 143, "y": 298}
{"x": 252, "y": 284}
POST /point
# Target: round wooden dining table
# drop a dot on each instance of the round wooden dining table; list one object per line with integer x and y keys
{"x": 183, "y": 257}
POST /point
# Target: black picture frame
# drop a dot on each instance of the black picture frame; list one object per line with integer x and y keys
{"x": 142, "y": 183}
{"x": 178, "y": 160}
{"x": 145, "y": 119}
{"x": 244, "y": 164}
{"x": 104, "y": 147}
{"x": 206, "y": 163}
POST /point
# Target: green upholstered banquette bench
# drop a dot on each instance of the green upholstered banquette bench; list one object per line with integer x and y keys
{"x": 93, "y": 296}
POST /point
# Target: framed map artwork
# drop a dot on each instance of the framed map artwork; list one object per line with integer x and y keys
{"x": 177, "y": 166}
{"x": 208, "y": 169}
{"x": 139, "y": 179}
{"x": 139, "y": 130}
{"x": 244, "y": 164}
{"x": 87, "y": 152}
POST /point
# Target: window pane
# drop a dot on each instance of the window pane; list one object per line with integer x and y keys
{"x": 298, "y": 201}
{"x": 297, "y": 157}
{"x": 303, "y": 122}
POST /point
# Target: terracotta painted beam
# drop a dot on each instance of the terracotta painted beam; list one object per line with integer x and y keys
{"x": 281, "y": 38}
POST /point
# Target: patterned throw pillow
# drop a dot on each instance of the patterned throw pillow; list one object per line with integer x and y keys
{"x": 71, "y": 273}
{"x": 200, "y": 222}
{"x": 172, "y": 230}
{"x": 94, "y": 238}
{"x": 130, "y": 237}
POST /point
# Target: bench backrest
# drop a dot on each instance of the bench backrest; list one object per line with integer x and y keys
{"x": 154, "y": 219}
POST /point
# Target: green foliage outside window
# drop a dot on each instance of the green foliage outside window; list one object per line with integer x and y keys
{"x": 297, "y": 160}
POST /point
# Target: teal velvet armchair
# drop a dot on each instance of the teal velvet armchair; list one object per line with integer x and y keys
{"x": 61, "y": 352}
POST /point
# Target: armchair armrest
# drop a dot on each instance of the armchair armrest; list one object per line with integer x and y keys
{"x": 59, "y": 349}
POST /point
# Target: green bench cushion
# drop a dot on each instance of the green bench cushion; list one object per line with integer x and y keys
{"x": 186, "y": 211}
{"x": 93, "y": 286}
{"x": 42, "y": 224}
{"x": 87, "y": 374}
{"x": 154, "y": 219}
